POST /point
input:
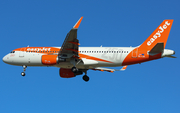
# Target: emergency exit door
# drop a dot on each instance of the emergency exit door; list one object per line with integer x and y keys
{"x": 135, "y": 53}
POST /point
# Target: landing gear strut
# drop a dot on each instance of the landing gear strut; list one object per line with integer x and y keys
{"x": 24, "y": 69}
{"x": 74, "y": 69}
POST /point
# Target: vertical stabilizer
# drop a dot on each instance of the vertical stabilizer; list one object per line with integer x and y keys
{"x": 160, "y": 35}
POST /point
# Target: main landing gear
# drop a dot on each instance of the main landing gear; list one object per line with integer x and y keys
{"x": 24, "y": 69}
{"x": 76, "y": 71}
{"x": 85, "y": 78}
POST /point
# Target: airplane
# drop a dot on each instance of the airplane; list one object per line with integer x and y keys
{"x": 74, "y": 60}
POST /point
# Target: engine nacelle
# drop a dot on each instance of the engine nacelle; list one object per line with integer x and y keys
{"x": 49, "y": 59}
{"x": 52, "y": 59}
{"x": 66, "y": 73}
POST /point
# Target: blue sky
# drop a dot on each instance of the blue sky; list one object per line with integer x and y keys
{"x": 151, "y": 87}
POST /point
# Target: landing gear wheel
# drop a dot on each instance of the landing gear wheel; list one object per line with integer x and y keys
{"x": 23, "y": 74}
{"x": 86, "y": 78}
{"x": 74, "y": 69}
{"x": 24, "y": 69}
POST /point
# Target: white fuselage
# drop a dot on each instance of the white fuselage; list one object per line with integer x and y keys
{"x": 97, "y": 56}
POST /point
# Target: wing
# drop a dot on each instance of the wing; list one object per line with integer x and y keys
{"x": 109, "y": 70}
{"x": 71, "y": 44}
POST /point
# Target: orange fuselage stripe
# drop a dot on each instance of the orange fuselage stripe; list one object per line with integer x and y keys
{"x": 50, "y": 50}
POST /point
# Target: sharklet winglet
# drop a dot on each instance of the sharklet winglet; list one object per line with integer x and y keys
{"x": 77, "y": 23}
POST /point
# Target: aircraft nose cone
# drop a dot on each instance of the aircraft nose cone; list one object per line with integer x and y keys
{"x": 5, "y": 59}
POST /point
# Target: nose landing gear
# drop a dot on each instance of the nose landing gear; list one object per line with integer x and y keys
{"x": 24, "y": 69}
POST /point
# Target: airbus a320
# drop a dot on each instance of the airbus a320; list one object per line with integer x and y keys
{"x": 74, "y": 60}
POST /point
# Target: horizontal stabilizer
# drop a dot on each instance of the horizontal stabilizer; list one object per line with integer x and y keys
{"x": 158, "y": 48}
{"x": 104, "y": 69}
{"x": 110, "y": 70}
{"x": 170, "y": 56}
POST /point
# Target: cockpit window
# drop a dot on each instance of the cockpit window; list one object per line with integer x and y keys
{"x": 12, "y": 52}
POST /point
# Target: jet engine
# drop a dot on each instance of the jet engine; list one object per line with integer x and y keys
{"x": 66, "y": 73}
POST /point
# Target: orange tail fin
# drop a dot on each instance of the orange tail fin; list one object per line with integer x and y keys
{"x": 160, "y": 35}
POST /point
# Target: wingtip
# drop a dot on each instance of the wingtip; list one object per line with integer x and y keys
{"x": 123, "y": 68}
{"x": 76, "y": 26}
